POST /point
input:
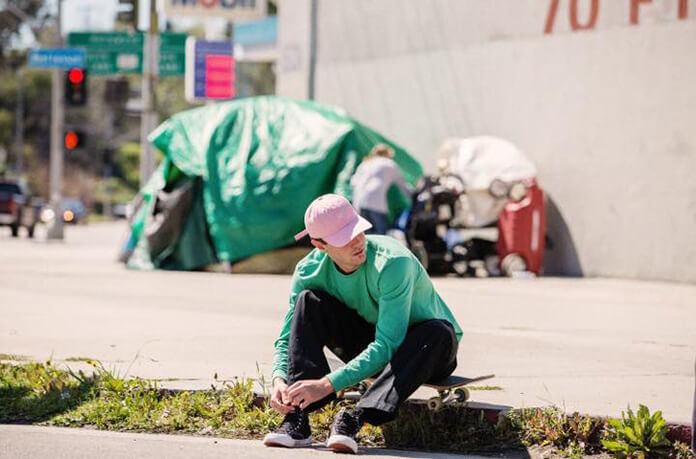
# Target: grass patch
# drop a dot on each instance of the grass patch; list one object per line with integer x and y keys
{"x": 33, "y": 392}
{"x": 80, "y": 359}
{"x": 485, "y": 388}
{"x": 450, "y": 429}
{"x": 13, "y": 357}
{"x": 44, "y": 394}
{"x": 572, "y": 435}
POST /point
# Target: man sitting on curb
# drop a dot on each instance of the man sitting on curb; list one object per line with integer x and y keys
{"x": 371, "y": 302}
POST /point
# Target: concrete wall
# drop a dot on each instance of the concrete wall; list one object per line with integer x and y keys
{"x": 292, "y": 68}
{"x": 607, "y": 113}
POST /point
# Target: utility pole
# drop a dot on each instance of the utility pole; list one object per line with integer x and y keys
{"x": 19, "y": 123}
{"x": 107, "y": 161}
{"x": 55, "y": 226}
{"x": 312, "y": 48}
{"x": 148, "y": 120}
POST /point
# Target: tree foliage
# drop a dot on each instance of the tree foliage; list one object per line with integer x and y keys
{"x": 17, "y": 13}
{"x": 36, "y": 89}
{"x": 127, "y": 164}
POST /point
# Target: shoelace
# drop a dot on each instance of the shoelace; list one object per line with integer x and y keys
{"x": 293, "y": 422}
{"x": 347, "y": 424}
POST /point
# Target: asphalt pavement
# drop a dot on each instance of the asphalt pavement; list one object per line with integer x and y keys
{"x": 591, "y": 345}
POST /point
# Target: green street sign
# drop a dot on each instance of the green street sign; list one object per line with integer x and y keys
{"x": 172, "y": 59}
{"x": 110, "y": 53}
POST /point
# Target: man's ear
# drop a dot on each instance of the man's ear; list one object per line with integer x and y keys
{"x": 318, "y": 245}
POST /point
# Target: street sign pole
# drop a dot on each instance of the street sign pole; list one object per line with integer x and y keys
{"x": 19, "y": 126}
{"x": 148, "y": 120}
{"x": 55, "y": 226}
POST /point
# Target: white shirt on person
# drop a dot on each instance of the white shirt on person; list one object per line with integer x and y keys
{"x": 372, "y": 179}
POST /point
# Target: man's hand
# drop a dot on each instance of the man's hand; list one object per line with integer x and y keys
{"x": 304, "y": 393}
{"x": 280, "y": 400}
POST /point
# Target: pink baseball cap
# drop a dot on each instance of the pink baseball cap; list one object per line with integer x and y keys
{"x": 332, "y": 218}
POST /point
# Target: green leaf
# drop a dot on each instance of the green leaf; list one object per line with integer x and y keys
{"x": 658, "y": 439}
{"x": 630, "y": 434}
{"x": 615, "y": 423}
{"x": 660, "y": 426}
{"x": 638, "y": 429}
{"x": 614, "y": 446}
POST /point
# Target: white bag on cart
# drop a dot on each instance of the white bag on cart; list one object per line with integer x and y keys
{"x": 484, "y": 164}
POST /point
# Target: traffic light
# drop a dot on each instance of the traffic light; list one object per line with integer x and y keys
{"x": 128, "y": 13}
{"x": 76, "y": 87}
{"x": 73, "y": 139}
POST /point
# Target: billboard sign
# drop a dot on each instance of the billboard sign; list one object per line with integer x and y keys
{"x": 210, "y": 70}
{"x": 231, "y": 10}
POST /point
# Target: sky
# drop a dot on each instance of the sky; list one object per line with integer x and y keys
{"x": 99, "y": 16}
{"x": 92, "y": 15}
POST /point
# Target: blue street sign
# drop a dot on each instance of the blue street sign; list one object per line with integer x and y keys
{"x": 62, "y": 58}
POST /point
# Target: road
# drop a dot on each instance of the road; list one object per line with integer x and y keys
{"x": 591, "y": 345}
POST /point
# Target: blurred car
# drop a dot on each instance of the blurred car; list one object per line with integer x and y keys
{"x": 73, "y": 211}
{"x": 17, "y": 207}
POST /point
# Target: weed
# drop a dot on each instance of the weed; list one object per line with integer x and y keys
{"x": 682, "y": 451}
{"x": 575, "y": 434}
{"x": 640, "y": 435}
{"x": 419, "y": 428}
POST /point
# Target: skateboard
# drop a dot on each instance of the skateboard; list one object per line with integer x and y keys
{"x": 450, "y": 391}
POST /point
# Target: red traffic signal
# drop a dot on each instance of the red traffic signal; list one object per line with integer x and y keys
{"x": 76, "y": 76}
{"x": 76, "y": 87}
{"x": 73, "y": 140}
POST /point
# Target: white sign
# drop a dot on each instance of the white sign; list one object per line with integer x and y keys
{"x": 232, "y": 10}
{"x": 127, "y": 61}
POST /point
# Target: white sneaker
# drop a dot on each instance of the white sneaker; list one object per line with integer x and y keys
{"x": 294, "y": 432}
{"x": 343, "y": 432}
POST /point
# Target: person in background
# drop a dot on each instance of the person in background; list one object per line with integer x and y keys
{"x": 372, "y": 179}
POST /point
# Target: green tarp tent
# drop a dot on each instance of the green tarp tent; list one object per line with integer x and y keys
{"x": 237, "y": 176}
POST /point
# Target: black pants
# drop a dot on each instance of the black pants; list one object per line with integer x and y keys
{"x": 427, "y": 354}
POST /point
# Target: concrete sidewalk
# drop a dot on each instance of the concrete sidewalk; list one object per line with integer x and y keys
{"x": 591, "y": 345}
{"x": 20, "y": 442}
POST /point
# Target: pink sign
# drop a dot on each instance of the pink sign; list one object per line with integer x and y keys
{"x": 219, "y": 76}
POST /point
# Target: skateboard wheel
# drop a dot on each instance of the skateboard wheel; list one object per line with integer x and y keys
{"x": 434, "y": 404}
{"x": 362, "y": 388}
{"x": 462, "y": 394}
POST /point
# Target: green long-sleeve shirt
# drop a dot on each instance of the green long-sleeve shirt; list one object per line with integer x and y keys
{"x": 391, "y": 290}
